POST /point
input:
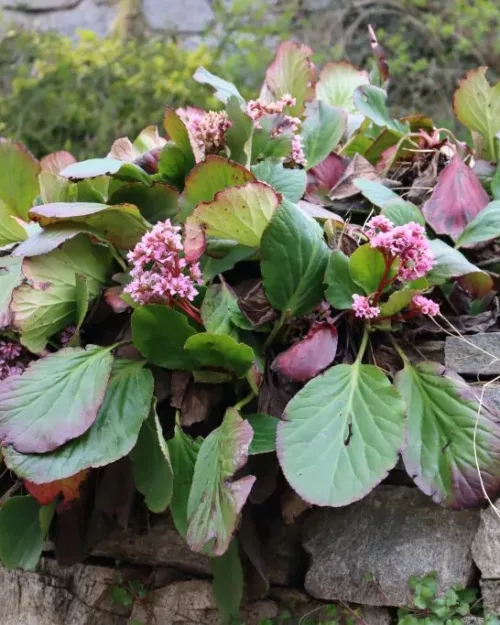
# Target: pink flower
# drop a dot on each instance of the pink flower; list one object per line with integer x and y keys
{"x": 362, "y": 308}
{"x": 424, "y": 305}
{"x": 298, "y": 157}
{"x": 159, "y": 272}
{"x": 256, "y": 109}
{"x": 209, "y": 131}
{"x": 409, "y": 243}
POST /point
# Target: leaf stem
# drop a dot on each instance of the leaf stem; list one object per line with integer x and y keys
{"x": 398, "y": 349}
{"x": 243, "y": 402}
{"x": 274, "y": 332}
{"x": 364, "y": 343}
{"x": 117, "y": 257}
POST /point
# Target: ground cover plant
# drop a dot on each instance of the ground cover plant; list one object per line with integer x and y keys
{"x": 239, "y": 300}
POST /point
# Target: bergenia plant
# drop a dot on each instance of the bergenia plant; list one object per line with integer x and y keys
{"x": 244, "y": 286}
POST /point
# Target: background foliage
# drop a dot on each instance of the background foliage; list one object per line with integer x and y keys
{"x": 80, "y": 95}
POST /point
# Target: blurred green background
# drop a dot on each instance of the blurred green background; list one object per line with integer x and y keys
{"x": 80, "y": 94}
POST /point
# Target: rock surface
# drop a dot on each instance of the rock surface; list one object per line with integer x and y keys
{"x": 490, "y": 592}
{"x": 366, "y": 552}
{"x": 486, "y": 545}
{"x": 465, "y": 357}
{"x": 77, "y": 595}
{"x": 188, "y": 16}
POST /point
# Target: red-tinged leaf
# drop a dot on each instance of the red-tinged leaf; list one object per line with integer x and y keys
{"x": 310, "y": 356}
{"x": 326, "y": 174}
{"x": 457, "y": 198}
{"x": 53, "y": 163}
{"x": 194, "y": 240}
{"x": 69, "y": 488}
{"x": 359, "y": 167}
{"x": 113, "y": 298}
{"x": 379, "y": 53}
{"x": 291, "y": 72}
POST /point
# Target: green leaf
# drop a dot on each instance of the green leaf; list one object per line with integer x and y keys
{"x": 55, "y": 400}
{"x": 215, "y": 502}
{"x": 239, "y": 136}
{"x": 10, "y": 230}
{"x": 95, "y": 167}
{"x": 219, "y": 350}
{"x": 228, "y": 582}
{"x": 291, "y": 72}
{"x": 294, "y": 258}
{"x": 321, "y": 131}
{"x": 219, "y": 305}
{"x": 477, "y": 106}
{"x": 341, "y": 434}
{"x": 47, "y": 304}
{"x": 264, "y": 433}
{"x": 112, "y": 436}
{"x": 367, "y": 267}
{"x": 291, "y": 183}
{"x": 224, "y": 90}
{"x": 495, "y": 182}
{"x": 484, "y": 227}
{"x": 213, "y": 174}
{"x": 183, "y": 452}
{"x": 156, "y": 203}
{"x": 442, "y": 413}
{"x": 399, "y": 211}
{"x": 178, "y": 132}
{"x": 240, "y": 214}
{"x": 452, "y": 264}
{"x": 337, "y": 84}
{"x": 160, "y": 333}
{"x": 21, "y": 540}
{"x": 153, "y": 473}
{"x": 45, "y": 240}
{"x": 172, "y": 165}
{"x": 267, "y": 144}
{"x": 340, "y": 285}
{"x": 18, "y": 178}
{"x": 397, "y": 301}
{"x": 211, "y": 267}
{"x": 10, "y": 277}
{"x": 370, "y": 101}
{"x": 122, "y": 224}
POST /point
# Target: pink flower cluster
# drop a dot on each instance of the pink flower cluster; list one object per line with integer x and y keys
{"x": 209, "y": 130}
{"x": 12, "y": 359}
{"x": 159, "y": 272}
{"x": 409, "y": 243}
{"x": 363, "y": 309}
{"x": 424, "y": 306}
{"x": 257, "y": 110}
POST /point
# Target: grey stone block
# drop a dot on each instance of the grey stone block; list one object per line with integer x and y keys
{"x": 490, "y": 591}
{"x": 184, "y": 16}
{"x": 486, "y": 545}
{"x": 366, "y": 552}
{"x": 480, "y": 355}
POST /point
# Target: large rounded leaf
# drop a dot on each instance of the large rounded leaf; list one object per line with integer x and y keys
{"x": 240, "y": 214}
{"x": 442, "y": 411}
{"x": 55, "y": 400}
{"x": 341, "y": 434}
{"x": 113, "y": 434}
{"x": 294, "y": 259}
{"x": 337, "y": 84}
{"x": 21, "y": 538}
{"x": 220, "y": 350}
{"x": 10, "y": 278}
{"x": 18, "y": 178}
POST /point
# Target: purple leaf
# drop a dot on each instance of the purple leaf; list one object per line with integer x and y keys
{"x": 326, "y": 174}
{"x": 310, "y": 356}
{"x": 457, "y": 198}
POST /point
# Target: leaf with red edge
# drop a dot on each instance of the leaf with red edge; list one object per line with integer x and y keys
{"x": 310, "y": 356}
{"x": 291, "y": 72}
{"x": 449, "y": 433}
{"x": 55, "y": 400}
{"x": 207, "y": 178}
{"x": 69, "y": 489}
{"x": 194, "y": 240}
{"x": 215, "y": 501}
{"x": 53, "y": 163}
{"x": 457, "y": 198}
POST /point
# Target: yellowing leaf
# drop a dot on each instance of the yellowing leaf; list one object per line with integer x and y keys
{"x": 240, "y": 214}
{"x": 337, "y": 84}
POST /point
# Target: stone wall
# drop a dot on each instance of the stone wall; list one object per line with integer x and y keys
{"x": 183, "y": 17}
{"x": 357, "y": 557}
